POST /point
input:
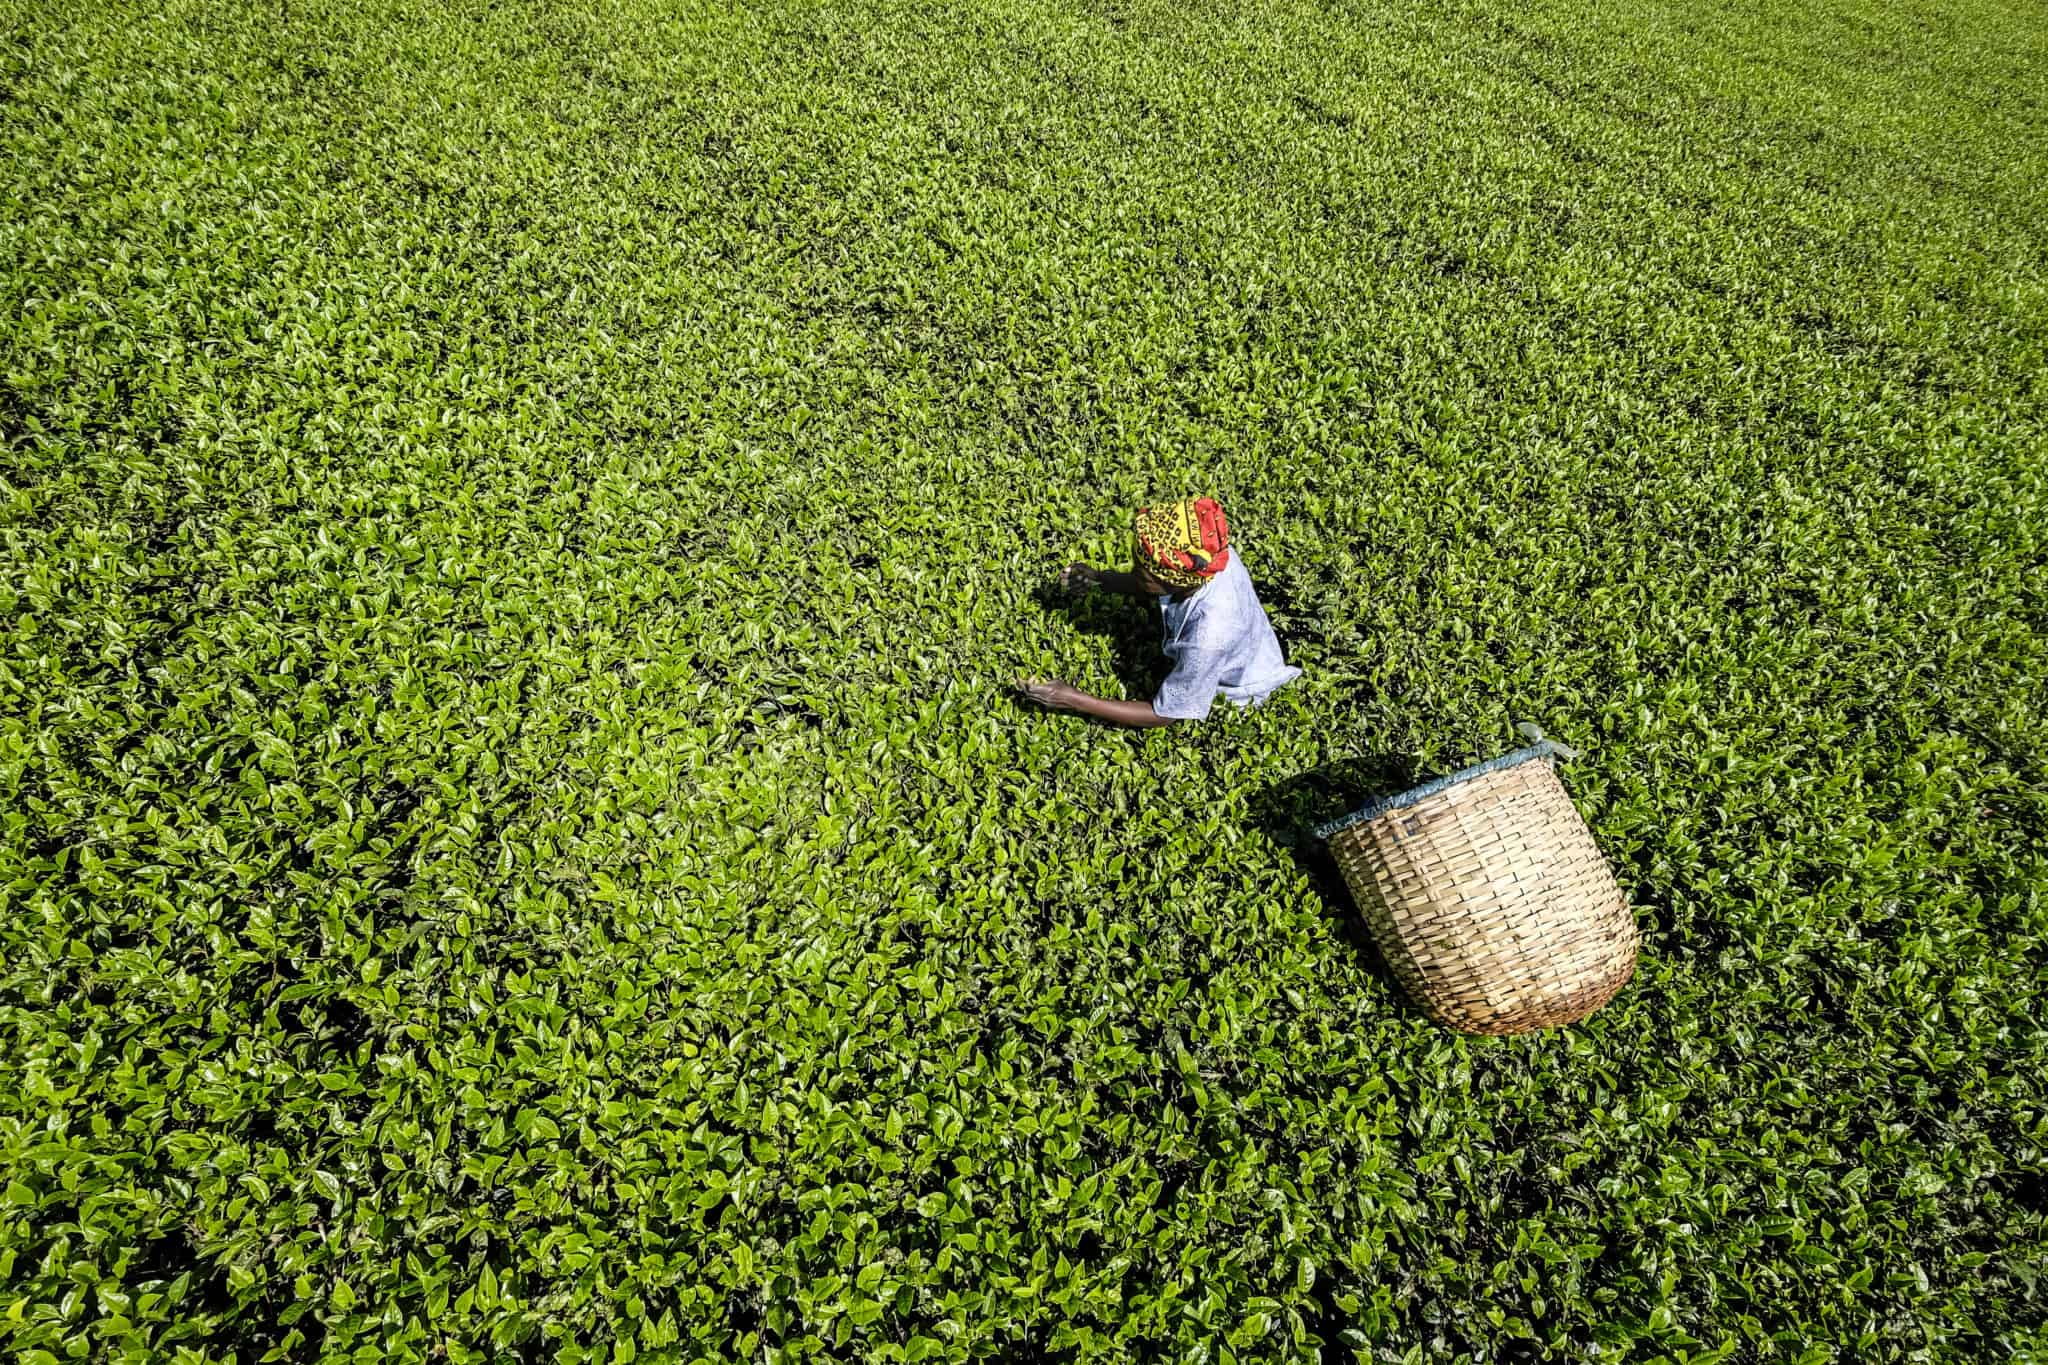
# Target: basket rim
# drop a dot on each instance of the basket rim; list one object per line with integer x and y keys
{"x": 1542, "y": 748}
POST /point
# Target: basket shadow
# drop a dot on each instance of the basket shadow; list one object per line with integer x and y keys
{"x": 1288, "y": 813}
{"x": 1131, "y": 627}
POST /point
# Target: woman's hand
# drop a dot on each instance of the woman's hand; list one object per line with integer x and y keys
{"x": 1047, "y": 692}
{"x": 1075, "y": 577}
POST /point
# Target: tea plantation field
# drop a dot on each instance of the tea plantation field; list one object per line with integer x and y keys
{"x": 517, "y": 522}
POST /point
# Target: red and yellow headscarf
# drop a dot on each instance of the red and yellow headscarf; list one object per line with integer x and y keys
{"x": 1184, "y": 544}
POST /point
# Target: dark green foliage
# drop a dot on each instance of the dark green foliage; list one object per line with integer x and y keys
{"x": 515, "y": 522}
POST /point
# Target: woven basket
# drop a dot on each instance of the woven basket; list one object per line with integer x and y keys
{"x": 1489, "y": 898}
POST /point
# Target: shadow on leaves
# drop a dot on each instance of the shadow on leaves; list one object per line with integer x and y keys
{"x": 1130, "y": 625}
{"x": 1288, "y": 813}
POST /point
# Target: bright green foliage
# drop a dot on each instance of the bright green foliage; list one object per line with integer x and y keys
{"x": 516, "y": 520}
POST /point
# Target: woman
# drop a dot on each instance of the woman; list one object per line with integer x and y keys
{"x": 1217, "y": 634}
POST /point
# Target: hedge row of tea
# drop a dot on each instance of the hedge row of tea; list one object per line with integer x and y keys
{"x": 516, "y": 521}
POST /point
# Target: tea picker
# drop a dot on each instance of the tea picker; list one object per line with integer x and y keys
{"x": 1217, "y": 634}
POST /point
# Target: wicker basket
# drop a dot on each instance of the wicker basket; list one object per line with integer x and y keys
{"x": 1489, "y": 898}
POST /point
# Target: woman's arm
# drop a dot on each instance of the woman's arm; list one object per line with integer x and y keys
{"x": 1138, "y": 715}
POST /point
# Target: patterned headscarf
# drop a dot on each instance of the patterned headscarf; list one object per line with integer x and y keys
{"x": 1184, "y": 544}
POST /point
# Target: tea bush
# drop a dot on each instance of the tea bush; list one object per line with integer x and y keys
{"x": 516, "y": 522}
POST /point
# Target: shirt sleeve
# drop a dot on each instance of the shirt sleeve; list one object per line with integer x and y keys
{"x": 1192, "y": 686}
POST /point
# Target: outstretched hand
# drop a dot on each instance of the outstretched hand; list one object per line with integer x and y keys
{"x": 1075, "y": 577}
{"x": 1047, "y": 692}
